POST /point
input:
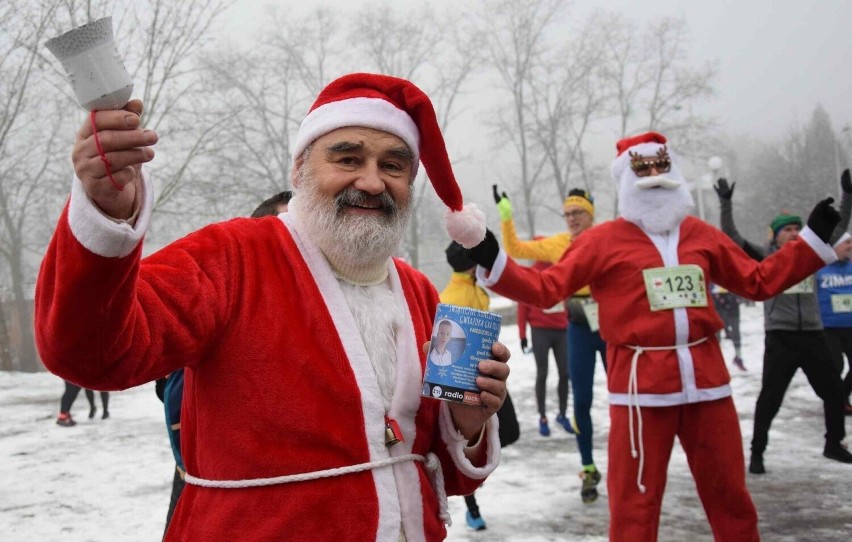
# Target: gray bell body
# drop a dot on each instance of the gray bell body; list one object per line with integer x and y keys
{"x": 94, "y": 66}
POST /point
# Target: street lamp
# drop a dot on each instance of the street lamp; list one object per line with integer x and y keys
{"x": 715, "y": 164}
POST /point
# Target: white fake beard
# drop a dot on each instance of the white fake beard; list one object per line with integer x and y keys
{"x": 656, "y": 210}
{"x": 350, "y": 240}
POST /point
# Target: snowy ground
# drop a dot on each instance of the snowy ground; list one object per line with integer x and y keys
{"x": 109, "y": 480}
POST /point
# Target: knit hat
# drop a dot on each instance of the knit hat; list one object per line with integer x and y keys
{"x": 784, "y": 219}
{"x": 581, "y": 198}
{"x": 397, "y": 107}
{"x": 458, "y": 259}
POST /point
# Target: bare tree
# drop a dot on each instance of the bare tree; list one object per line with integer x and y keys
{"x": 517, "y": 43}
{"x": 264, "y": 92}
{"x": 440, "y": 54}
{"x": 652, "y": 82}
{"x": 566, "y": 99}
{"x": 28, "y": 126}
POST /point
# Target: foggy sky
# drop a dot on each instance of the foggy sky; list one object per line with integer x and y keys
{"x": 777, "y": 59}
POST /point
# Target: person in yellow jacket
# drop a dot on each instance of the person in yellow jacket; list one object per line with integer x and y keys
{"x": 463, "y": 291}
{"x": 584, "y": 341}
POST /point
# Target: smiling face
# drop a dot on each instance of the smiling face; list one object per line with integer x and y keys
{"x": 353, "y": 194}
{"x": 361, "y": 161}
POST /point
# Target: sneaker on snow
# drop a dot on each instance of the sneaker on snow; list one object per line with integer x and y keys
{"x": 591, "y": 478}
{"x": 565, "y": 423}
{"x": 65, "y": 420}
{"x": 105, "y": 415}
{"x": 738, "y": 361}
{"x": 475, "y": 523}
{"x": 92, "y": 411}
{"x": 755, "y": 466}
{"x": 838, "y": 452}
{"x": 543, "y": 428}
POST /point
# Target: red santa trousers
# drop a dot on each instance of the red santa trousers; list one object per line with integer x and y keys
{"x": 709, "y": 433}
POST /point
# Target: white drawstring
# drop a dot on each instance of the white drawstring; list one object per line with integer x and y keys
{"x": 430, "y": 460}
{"x": 633, "y": 402}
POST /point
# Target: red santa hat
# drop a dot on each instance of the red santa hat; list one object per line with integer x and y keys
{"x": 398, "y": 107}
{"x": 647, "y": 144}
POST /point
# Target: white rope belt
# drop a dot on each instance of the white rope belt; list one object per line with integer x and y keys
{"x": 430, "y": 460}
{"x": 633, "y": 402}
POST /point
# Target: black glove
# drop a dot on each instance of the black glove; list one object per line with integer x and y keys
{"x": 823, "y": 219}
{"x": 846, "y": 181}
{"x": 524, "y": 345}
{"x": 498, "y": 197}
{"x": 723, "y": 190}
{"x": 485, "y": 253}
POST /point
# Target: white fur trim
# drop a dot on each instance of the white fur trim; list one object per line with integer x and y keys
{"x": 404, "y": 407}
{"x": 372, "y": 406}
{"x": 105, "y": 237}
{"x": 819, "y": 246}
{"x": 623, "y": 160}
{"x": 844, "y": 237}
{"x": 670, "y": 399}
{"x": 490, "y": 278}
{"x": 657, "y": 182}
{"x": 467, "y": 227}
{"x": 373, "y": 113}
{"x": 456, "y": 444}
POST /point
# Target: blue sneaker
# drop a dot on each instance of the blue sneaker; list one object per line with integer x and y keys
{"x": 475, "y": 523}
{"x": 566, "y": 423}
{"x": 543, "y": 428}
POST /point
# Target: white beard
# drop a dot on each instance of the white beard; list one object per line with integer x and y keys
{"x": 656, "y": 210}
{"x": 351, "y": 241}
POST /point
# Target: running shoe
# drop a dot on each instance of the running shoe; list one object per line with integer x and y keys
{"x": 475, "y": 523}
{"x": 543, "y": 428}
{"x": 837, "y": 452}
{"x": 565, "y": 423}
{"x": 755, "y": 465}
{"x": 591, "y": 479}
{"x": 65, "y": 419}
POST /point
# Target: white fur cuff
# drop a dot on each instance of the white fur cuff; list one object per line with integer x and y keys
{"x": 105, "y": 237}
{"x": 822, "y": 248}
{"x": 456, "y": 444}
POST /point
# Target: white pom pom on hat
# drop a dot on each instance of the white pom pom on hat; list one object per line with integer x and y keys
{"x": 396, "y": 106}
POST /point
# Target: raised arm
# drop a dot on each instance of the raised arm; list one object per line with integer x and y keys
{"x": 845, "y": 206}
{"x": 548, "y": 249}
{"x": 726, "y": 193}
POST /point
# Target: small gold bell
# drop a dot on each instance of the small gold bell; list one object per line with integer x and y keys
{"x": 390, "y": 437}
{"x": 392, "y": 432}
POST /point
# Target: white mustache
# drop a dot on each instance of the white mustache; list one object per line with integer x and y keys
{"x": 658, "y": 181}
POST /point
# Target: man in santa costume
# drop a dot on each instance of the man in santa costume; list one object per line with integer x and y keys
{"x": 649, "y": 270}
{"x": 301, "y": 336}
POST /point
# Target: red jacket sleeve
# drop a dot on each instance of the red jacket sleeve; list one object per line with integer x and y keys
{"x": 113, "y": 323}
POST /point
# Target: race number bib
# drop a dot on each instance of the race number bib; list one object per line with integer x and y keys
{"x": 676, "y": 287}
{"x": 841, "y": 303}
{"x": 590, "y": 309}
{"x": 804, "y": 287}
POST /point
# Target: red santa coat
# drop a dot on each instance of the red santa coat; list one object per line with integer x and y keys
{"x": 610, "y": 258}
{"x": 278, "y": 380}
